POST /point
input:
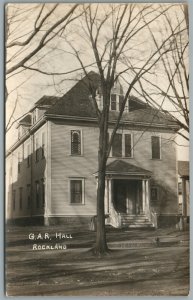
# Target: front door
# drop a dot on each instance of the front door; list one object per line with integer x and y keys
{"x": 127, "y": 196}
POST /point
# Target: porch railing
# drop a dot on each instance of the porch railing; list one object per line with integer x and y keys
{"x": 153, "y": 217}
{"x": 114, "y": 217}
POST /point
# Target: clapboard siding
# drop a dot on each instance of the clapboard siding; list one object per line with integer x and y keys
{"x": 64, "y": 166}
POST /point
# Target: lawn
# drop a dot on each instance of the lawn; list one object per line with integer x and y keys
{"x": 136, "y": 264}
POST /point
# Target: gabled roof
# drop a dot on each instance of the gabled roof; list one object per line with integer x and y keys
{"x": 120, "y": 167}
{"x": 183, "y": 168}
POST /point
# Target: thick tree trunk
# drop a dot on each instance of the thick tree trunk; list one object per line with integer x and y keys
{"x": 101, "y": 244}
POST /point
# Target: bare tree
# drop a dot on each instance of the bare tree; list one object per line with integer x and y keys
{"x": 30, "y": 36}
{"x": 173, "y": 68}
{"x": 115, "y": 40}
{"x": 111, "y": 37}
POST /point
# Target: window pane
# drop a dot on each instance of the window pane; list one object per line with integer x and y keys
{"x": 76, "y": 191}
{"x": 117, "y": 145}
{"x": 37, "y": 195}
{"x": 113, "y": 102}
{"x": 28, "y": 196}
{"x": 37, "y": 149}
{"x": 155, "y": 141}
{"x": 43, "y": 144}
{"x": 75, "y": 142}
{"x": 14, "y": 199}
{"x": 20, "y": 197}
{"x": 121, "y": 98}
{"x": 28, "y": 155}
{"x": 154, "y": 194}
{"x": 128, "y": 146}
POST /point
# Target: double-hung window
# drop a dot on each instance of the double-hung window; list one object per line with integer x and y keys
{"x": 20, "y": 198}
{"x": 28, "y": 155}
{"x": 37, "y": 193}
{"x": 113, "y": 102}
{"x": 77, "y": 191}
{"x": 75, "y": 142}
{"x": 121, "y": 98}
{"x": 43, "y": 145}
{"x": 156, "y": 147}
{"x": 128, "y": 145}
{"x": 28, "y": 196}
{"x": 154, "y": 194}
{"x": 37, "y": 149}
{"x": 14, "y": 200}
{"x": 117, "y": 145}
{"x": 122, "y": 145}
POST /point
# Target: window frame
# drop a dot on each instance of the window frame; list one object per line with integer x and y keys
{"x": 43, "y": 192}
{"x": 81, "y": 142}
{"x": 113, "y": 102}
{"x": 37, "y": 193}
{"x": 157, "y": 189}
{"x": 28, "y": 196}
{"x": 36, "y": 149}
{"x": 124, "y": 144}
{"x": 20, "y": 198}
{"x": 83, "y": 190}
{"x": 160, "y": 155}
{"x": 117, "y": 133}
{"x": 19, "y": 162}
{"x": 43, "y": 145}
{"x": 28, "y": 155}
{"x": 14, "y": 200}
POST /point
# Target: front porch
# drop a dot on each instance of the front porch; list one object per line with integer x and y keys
{"x": 127, "y": 196}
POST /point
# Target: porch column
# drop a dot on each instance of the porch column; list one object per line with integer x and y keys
{"x": 147, "y": 196}
{"x": 144, "y": 194}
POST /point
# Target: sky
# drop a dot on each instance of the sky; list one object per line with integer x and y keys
{"x": 25, "y": 87}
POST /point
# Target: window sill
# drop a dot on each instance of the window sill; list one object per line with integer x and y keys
{"x": 121, "y": 157}
{"x": 76, "y": 155}
{"x": 77, "y": 204}
{"x": 157, "y": 159}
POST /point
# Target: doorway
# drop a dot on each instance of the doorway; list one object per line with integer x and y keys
{"x": 128, "y": 196}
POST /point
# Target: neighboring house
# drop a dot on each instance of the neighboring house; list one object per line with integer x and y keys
{"x": 183, "y": 188}
{"x": 51, "y": 171}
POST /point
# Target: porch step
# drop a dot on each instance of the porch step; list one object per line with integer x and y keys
{"x": 135, "y": 221}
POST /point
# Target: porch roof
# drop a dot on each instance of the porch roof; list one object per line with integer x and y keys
{"x": 120, "y": 167}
